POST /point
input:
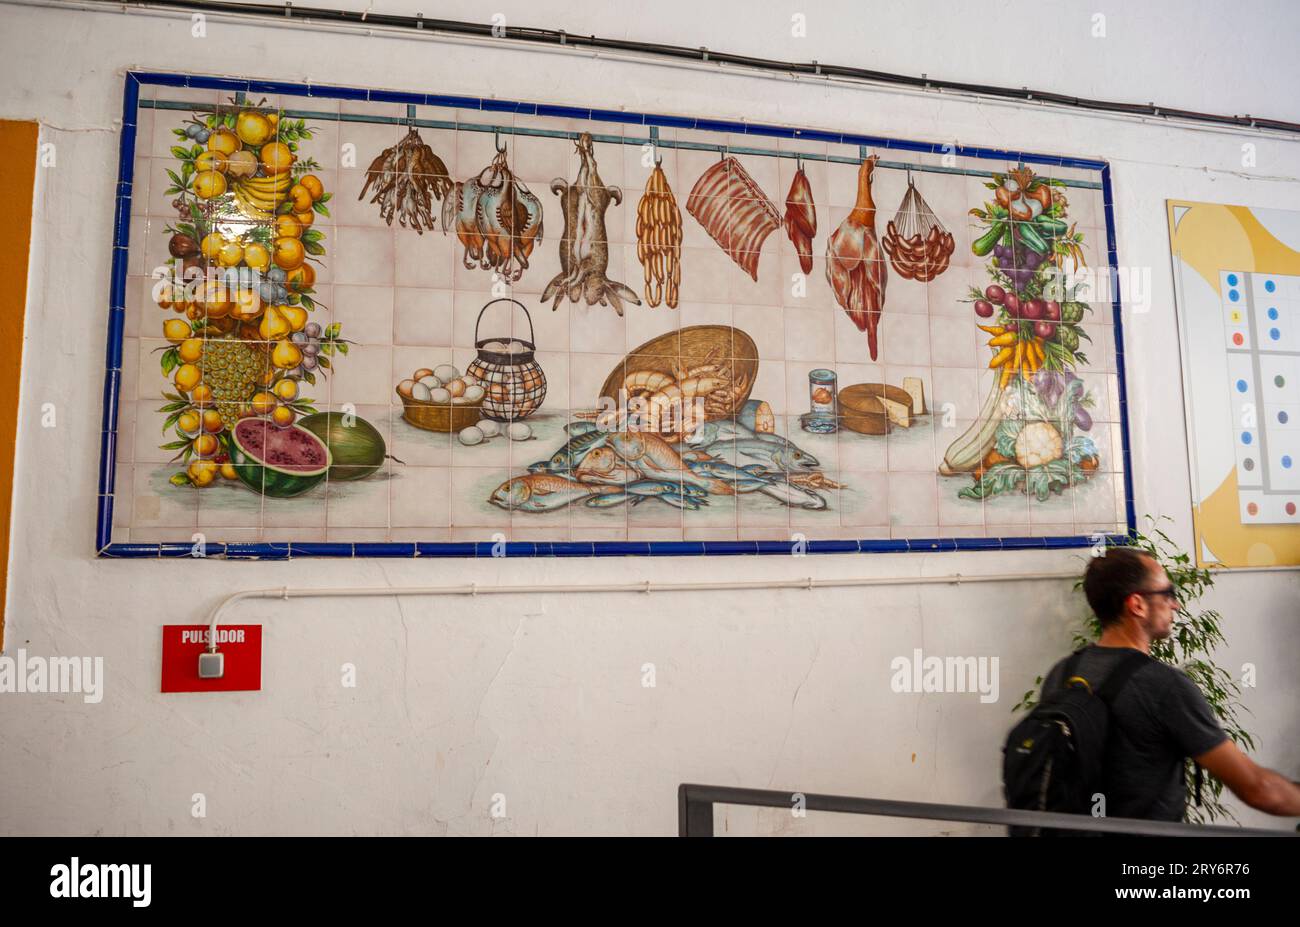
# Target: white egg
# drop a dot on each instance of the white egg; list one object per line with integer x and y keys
{"x": 516, "y": 348}
{"x": 489, "y": 428}
{"x": 440, "y": 396}
{"x": 495, "y": 346}
{"x": 518, "y": 431}
{"x": 471, "y": 436}
{"x": 455, "y": 387}
{"x": 421, "y": 392}
{"x": 445, "y": 372}
{"x": 431, "y": 382}
{"x": 473, "y": 393}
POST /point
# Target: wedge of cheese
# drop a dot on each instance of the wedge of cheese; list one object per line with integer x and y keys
{"x": 898, "y": 412}
{"x": 916, "y": 389}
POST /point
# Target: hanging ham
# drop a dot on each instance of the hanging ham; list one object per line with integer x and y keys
{"x": 855, "y": 264}
{"x": 801, "y": 219}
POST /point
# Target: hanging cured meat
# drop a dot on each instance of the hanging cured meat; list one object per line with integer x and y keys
{"x": 855, "y": 264}
{"x": 801, "y": 219}
{"x": 407, "y": 178}
{"x": 734, "y": 211}
{"x": 918, "y": 245}
{"x": 659, "y": 240}
{"x": 584, "y": 249}
{"x": 496, "y": 218}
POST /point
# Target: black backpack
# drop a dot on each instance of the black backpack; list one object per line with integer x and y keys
{"x": 1053, "y": 758}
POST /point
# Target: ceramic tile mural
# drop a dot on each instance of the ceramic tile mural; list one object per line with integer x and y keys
{"x": 357, "y": 323}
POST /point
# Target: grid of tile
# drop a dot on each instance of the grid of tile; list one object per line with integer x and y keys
{"x": 425, "y": 302}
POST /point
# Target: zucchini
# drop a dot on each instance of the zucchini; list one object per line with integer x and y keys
{"x": 984, "y": 244}
{"x": 1031, "y": 237}
{"x": 1054, "y": 227}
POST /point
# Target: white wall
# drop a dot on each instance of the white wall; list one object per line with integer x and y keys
{"x": 540, "y": 698}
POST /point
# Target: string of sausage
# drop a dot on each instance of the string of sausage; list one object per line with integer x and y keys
{"x": 659, "y": 240}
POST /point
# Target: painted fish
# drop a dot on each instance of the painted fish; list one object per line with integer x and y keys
{"x": 652, "y": 456}
{"x": 541, "y": 492}
{"x": 571, "y": 454}
{"x": 602, "y": 465}
{"x": 778, "y": 455}
{"x": 790, "y": 494}
{"x": 726, "y": 479}
{"x": 675, "y": 494}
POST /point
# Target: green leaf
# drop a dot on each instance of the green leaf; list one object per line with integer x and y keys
{"x": 343, "y": 347}
{"x": 309, "y": 377}
{"x": 323, "y": 361}
{"x": 325, "y": 198}
{"x": 306, "y": 300}
{"x": 312, "y": 247}
{"x": 171, "y": 359}
{"x": 171, "y": 420}
{"x": 175, "y": 445}
{"x": 176, "y": 178}
{"x": 182, "y": 154}
{"x": 187, "y": 170}
{"x": 179, "y": 479}
{"x": 1008, "y": 431}
{"x": 332, "y": 331}
{"x": 319, "y": 207}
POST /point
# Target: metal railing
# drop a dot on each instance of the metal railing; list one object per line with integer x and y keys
{"x": 695, "y": 813}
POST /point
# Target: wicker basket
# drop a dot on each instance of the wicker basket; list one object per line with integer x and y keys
{"x": 692, "y": 346}
{"x": 514, "y": 383}
{"x": 441, "y": 416}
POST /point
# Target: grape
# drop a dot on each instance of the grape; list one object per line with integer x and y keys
{"x": 202, "y": 136}
{"x": 192, "y": 130}
{"x": 312, "y": 330}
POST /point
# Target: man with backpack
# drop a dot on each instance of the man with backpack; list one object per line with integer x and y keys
{"x": 1112, "y": 721}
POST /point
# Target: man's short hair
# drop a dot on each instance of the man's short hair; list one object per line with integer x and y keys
{"x": 1111, "y": 579}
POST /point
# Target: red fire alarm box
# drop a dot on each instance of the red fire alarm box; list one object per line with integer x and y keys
{"x": 239, "y": 644}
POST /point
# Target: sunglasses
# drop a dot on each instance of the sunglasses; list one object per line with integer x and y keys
{"x": 1168, "y": 592}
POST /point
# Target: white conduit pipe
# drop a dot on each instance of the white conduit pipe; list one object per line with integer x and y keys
{"x": 473, "y": 589}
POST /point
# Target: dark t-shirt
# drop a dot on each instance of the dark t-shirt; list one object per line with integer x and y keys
{"x": 1157, "y": 720}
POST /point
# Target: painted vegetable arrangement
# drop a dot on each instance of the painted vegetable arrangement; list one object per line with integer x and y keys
{"x": 407, "y": 178}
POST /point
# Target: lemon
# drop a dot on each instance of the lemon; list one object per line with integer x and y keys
{"x": 313, "y": 185}
{"x": 283, "y": 416}
{"x": 211, "y": 245}
{"x": 287, "y": 390}
{"x": 188, "y": 377}
{"x": 276, "y": 158}
{"x": 231, "y": 253}
{"x": 208, "y": 184}
{"x": 257, "y": 256}
{"x": 253, "y": 128}
{"x": 188, "y": 424}
{"x": 210, "y": 161}
{"x": 175, "y": 330}
{"x": 191, "y": 349}
{"x": 224, "y": 141}
{"x": 202, "y": 472}
{"x": 263, "y": 403}
{"x": 289, "y": 253}
{"x": 286, "y": 355}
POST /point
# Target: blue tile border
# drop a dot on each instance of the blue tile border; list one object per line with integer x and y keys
{"x": 487, "y": 549}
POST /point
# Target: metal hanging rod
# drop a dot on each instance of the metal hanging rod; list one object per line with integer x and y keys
{"x": 652, "y": 139}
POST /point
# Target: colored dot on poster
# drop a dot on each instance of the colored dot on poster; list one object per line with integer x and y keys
{"x": 1279, "y": 381}
{"x": 1241, "y": 386}
{"x": 1272, "y": 313}
{"x": 1283, "y": 417}
{"x": 1236, "y": 316}
{"x": 1246, "y": 438}
{"x": 1290, "y": 508}
{"x": 1248, "y": 464}
{"x": 1253, "y": 509}
{"x": 1232, "y": 279}
{"x": 1270, "y": 286}
{"x": 1286, "y": 461}
{"x": 1236, "y": 339}
{"x": 1234, "y": 295}
{"x": 1274, "y": 334}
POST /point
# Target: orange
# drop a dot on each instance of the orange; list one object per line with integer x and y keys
{"x": 232, "y": 252}
{"x": 300, "y": 197}
{"x": 248, "y": 305}
{"x": 257, "y": 256}
{"x": 263, "y": 403}
{"x": 210, "y": 161}
{"x": 289, "y": 253}
{"x": 191, "y": 349}
{"x": 313, "y": 185}
{"x": 301, "y": 278}
{"x": 187, "y": 377}
{"x": 287, "y": 390}
{"x": 201, "y": 395}
{"x": 276, "y": 158}
{"x": 208, "y": 184}
{"x": 253, "y": 128}
{"x": 283, "y": 416}
{"x": 224, "y": 141}
{"x": 212, "y": 421}
{"x": 306, "y": 217}
{"x": 205, "y": 445}
{"x": 287, "y": 227}
{"x": 211, "y": 245}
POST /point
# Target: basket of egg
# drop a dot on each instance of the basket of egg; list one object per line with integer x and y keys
{"x": 441, "y": 399}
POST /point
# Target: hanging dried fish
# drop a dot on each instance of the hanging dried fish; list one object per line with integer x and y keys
{"x": 734, "y": 211}
{"x": 407, "y": 179}
{"x": 497, "y": 219}
{"x": 918, "y": 245}
{"x": 659, "y": 240}
{"x": 801, "y": 219}
{"x": 584, "y": 249}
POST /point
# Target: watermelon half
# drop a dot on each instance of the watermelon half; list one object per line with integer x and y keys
{"x": 277, "y": 461}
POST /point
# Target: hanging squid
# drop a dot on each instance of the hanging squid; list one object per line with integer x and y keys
{"x": 584, "y": 248}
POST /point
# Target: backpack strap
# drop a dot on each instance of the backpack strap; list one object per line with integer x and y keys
{"x": 1120, "y": 676}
